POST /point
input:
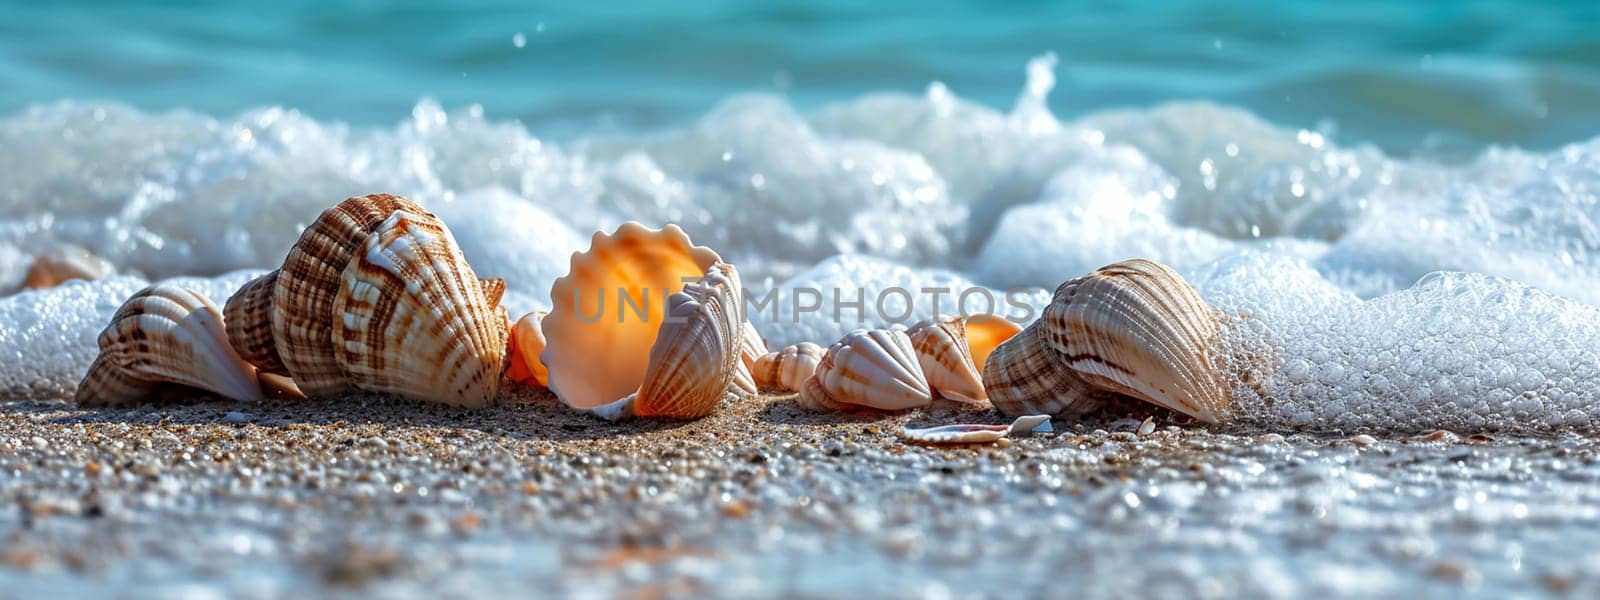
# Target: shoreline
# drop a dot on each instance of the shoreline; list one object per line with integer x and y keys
{"x": 403, "y": 499}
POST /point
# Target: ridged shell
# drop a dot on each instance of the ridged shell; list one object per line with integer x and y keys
{"x": 165, "y": 334}
{"x": 412, "y": 319}
{"x": 1023, "y": 377}
{"x": 874, "y": 368}
{"x": 248, "y": 315}
{"x": 65, "y": 262}
{"x": 527, "y": 342}
{"x": 941, "y": 346}
{"x": 367, "y": 274}
{"x": 788, "y": 368}
{"x": 750, "y": 350}
{"x": 1133, "y": 328}
{"x": 308, "y": 285}
{"x": 662, "y": 352}
{"x": 695, "y": 359}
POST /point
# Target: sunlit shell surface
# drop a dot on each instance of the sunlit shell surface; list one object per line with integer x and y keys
{"x": 941, "y": 346}
{"x": 527, "y": 342}
{"x": 165, "y": 334}
{"x": 412, "y": 319}
{"x": 974, "y": 433}
{"x": 644, "y": 324}
{"x": 376, "y": 296}
{"x": 1133, "y": 328}
{"x": 874, "y": 368}
{"x": 751, "y": 349}
{"x": 789, "y": 367}
{"x": 65, "y": 262}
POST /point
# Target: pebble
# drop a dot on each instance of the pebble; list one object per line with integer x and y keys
{"x": 236, "y": 418}
{"x": 39, "y": 443}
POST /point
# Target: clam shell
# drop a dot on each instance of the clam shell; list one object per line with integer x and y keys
{"x": 941, "y": 346}
{"x": 694, "y": 362}
{"x": 874, "y": 368}
{"x": 1133, "y": 328}
{"x": 411, "y": 318}
{"x": 527, "y": 341}
{"x": 653, "y": 354}
{"x": 788, "y": 368}
{"x": 975, "y": 433}
{"x": 165, "y": 334}
{"x": 61, "y": 263}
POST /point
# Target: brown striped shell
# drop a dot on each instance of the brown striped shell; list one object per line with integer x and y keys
{"x": 868, "y": 368}
{"x": 1133, "y": 328}
{"x": 952, "y": 351}
{"x": 788, "y": 368}
{"x": 376, "y": 296}
{"x": 165, "y": 334}
{"x": 665, "y": 348}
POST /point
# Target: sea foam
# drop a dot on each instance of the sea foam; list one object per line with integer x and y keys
{"x": 1320, "y": 240}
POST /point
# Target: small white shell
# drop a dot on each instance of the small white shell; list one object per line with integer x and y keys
{"x": 61, "y": 263}
{"x": 788, "y": 368}
{"x": 874, "y": 368}
{"x": 165, "y": 334}
{"x": 975, "y": 433}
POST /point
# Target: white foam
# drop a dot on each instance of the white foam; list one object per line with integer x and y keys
{"x": 920, "y": 191}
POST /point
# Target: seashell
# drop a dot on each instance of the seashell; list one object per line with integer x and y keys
{"x": 946, "y": 350}
{"x": 975, "y": 434}
{"x": 675, "y": 359}
{"x": 527, "y": 341}
{"x": 1133, "y": 328}
{"x": 165, "y": 334}
{"x": 788, "y": 368}
{"x": 985, "y": 333}
{"x": 874, "y": 368}
{"x": 376, "y": 296}
{"x": 64, "y": 262}
{"x": 751, "y": 349}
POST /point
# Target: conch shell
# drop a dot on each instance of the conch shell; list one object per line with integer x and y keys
{"x": 952, "y": 351}
{"x": 165, "y": 334}
{"x": 874, "y": 368}
{"x": 1133, "y": 328}
{"x": 677, "y": 358}
{"x": 527, "y": 342}
{"x": 788, "y": 368}
{"x": 376, "y": 296}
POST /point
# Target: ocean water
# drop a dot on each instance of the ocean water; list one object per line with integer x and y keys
{"x": 1401, "y": 203}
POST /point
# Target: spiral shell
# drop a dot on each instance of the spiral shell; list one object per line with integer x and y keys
{"x": 165, "y": 334}
{"x": 676, "y": 359}
{"x": 788, "y": 368}
{"x": 1133, "y": 328}
{"x": 376, "y": 296}
{"x": 874, "y": 368}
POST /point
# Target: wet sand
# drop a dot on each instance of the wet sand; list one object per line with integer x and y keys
{"x": 376, "y": 495}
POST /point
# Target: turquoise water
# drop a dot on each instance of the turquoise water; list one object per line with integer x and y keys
{"x": 1421, "y": 75}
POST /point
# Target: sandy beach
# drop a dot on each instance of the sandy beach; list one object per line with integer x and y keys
{"x": 393, "y": 498}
